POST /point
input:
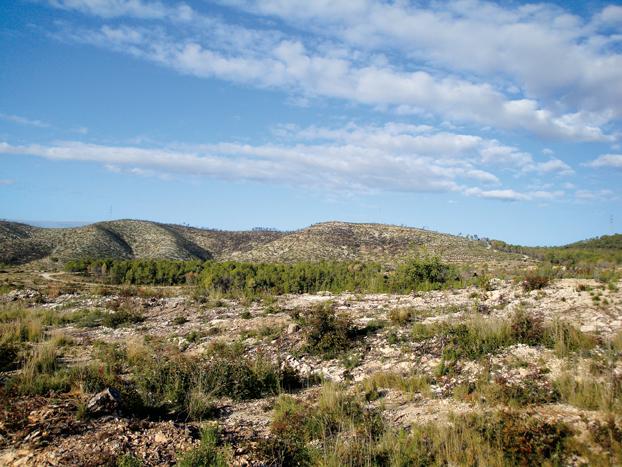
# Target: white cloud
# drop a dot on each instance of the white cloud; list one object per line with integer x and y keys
{"x": 352, "y": 158}
{"x": 308, "y": 68}
{"x": 495, "y": 153}
{"x": 593, "y": 195}
{"x": 611, "y": 15}
{"x": 24, "y": 121}
{"x": 519, "y": 43}
{"x": 554, "y": 166}
{"x": 512, "y": 195}
{"x": 132, "y": 8}
{"x": 613, "y": 161}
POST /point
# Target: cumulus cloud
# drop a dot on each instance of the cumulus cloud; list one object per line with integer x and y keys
{"x": 613, "y": 161}
{"x": 352, "y": 158}
{"x": 453, "y": 41}
{"x": 553, "y": 166}
{"x": 521, "y": 43}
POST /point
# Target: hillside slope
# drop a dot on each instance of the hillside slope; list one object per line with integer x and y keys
{"x": 20, "y": 243}
{"x": 367, "y": 242}
{"x": 607, "y": 242}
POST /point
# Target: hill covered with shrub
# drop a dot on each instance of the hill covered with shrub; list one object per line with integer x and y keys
{"x": 329, "y": 241}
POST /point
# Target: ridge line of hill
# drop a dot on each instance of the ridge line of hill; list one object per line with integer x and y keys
{"x": 332, "y": 240}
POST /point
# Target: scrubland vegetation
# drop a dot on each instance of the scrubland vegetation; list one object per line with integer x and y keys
{"x": 327, "y": 363}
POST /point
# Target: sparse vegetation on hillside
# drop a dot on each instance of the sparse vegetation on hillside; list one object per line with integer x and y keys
{"x": 584, "y": 258}
{"x": 330, "y": 241}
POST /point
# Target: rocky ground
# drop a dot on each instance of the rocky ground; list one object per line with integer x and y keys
{"x": 392, "y": 338}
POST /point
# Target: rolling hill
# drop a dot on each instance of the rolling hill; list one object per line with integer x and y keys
{"x": 21, "y": 243}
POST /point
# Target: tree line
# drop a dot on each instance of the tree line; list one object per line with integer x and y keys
{"x": 233, "y": 277}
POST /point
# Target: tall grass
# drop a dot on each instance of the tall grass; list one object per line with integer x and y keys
{"x": 338, "y": 429}
{"x": 408, "y": 384}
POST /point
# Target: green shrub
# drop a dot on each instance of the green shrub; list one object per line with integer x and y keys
{"x": 210, "y": 452}
{"x": 409, "y": 384}
{"x": 179, "y": 320}
{"x": 523, "y": 440}
{"x": 175, "y": 383}
{"x": 527, "y": 328}
{"x": 402, "y": 316}
{"x": 128, "y": 460}
{"x": 327, "y": 334}
{"x": 121, "y": 317}
{"x": 536, "y": 280}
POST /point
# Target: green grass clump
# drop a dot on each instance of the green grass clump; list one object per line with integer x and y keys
{"x": 409, "y": 384}
{"x": 121, "y": 317}
{"x": 565, "y": 339}
{"x": 339, "y": 429}
{"x": 18, "y": 328}
{"x": 42, "y": 372}
{"x": 179, "y": 320}
{"x": 128, "y": 460}
{"x": 471, "y": 340}
{"x": 591, "y": 394}
{"x": 210, "y": 452}
{"x": 175, "y": 383}
{"x": 402, "y": 316}
{"x": 479, "y": 336}
{"x": 340, "y": 422}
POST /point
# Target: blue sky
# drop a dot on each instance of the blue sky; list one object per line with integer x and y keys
{"x": 502, "y": 120}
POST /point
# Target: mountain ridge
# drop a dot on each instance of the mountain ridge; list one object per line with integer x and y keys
{"x": 331, "y": 240}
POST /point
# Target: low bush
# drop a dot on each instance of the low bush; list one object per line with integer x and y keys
{"x": 401, "y": 316}
{"x": 295, "y": 425}
{"x": 327, "y": 334}
{"x": 210, "y": 452}
{"x": 523, "y": 440}
{"x": 174, "y": 383}
{"x": 527, "y": 328}
{"x": 121, "y": 317}
{"x": 536, "y": 280}
{"x": 338, "y": 429}
{"x": 532, "y": 390}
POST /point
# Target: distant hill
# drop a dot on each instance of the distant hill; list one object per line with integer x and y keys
{"x": 585, "y": 254}
{"x": 606, "y": 242}
{"x": 21, "y": 243}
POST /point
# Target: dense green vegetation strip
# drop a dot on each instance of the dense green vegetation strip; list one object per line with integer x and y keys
{"x": 274, "y": 278}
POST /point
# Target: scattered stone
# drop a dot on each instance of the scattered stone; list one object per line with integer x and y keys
{"x": 104, "y": 403}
